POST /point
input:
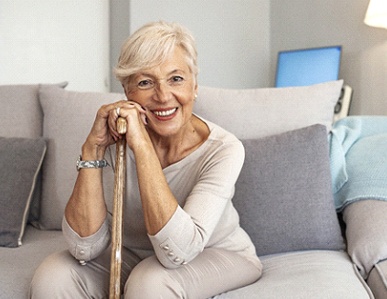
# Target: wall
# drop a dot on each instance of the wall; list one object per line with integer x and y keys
{"x": 238, "y": 40}
{"x": 313, "y": 23}
{"x": 232, "y": 36}
{"x": 45, "y": 41}
{"x": 119, "y": 26}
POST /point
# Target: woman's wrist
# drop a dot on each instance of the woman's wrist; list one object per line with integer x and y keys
{"x": 92, "y": 152}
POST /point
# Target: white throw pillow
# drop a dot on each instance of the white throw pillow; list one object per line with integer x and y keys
{"x": 255, "y": 113}
{"x": 68, "y": 118}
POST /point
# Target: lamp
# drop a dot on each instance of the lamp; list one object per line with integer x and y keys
{"x": 376, "y": 15}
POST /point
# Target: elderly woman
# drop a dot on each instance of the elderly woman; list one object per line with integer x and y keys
{"x": 182, "y": 237}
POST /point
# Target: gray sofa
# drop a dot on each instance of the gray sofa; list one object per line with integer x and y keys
{"x": 286, "y": 193}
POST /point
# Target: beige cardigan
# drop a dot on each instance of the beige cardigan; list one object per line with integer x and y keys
{"x": 204, "y": 184}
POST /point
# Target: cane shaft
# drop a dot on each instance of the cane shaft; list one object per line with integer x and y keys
{"x": 117, "y": 222}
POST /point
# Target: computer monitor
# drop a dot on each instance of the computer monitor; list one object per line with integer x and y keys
{"x": 308, "y": 66}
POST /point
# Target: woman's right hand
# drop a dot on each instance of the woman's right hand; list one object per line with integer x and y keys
{"x": 104, "y": 132}
{"x": 100, "y": 137}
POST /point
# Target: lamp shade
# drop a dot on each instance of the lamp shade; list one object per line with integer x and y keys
{"x": 376, "y": 15}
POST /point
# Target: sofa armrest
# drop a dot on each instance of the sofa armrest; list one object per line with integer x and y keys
{"x": 366, "y": 226}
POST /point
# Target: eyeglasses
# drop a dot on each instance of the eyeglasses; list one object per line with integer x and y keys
{"x": 173, "y": 82}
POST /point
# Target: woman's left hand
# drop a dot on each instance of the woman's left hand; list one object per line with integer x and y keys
{"x": 136, "y": 120}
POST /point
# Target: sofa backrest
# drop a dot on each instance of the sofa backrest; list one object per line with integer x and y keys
{"x": 64, "y": 118}
{"x": 255, "y": 113}
{"x": 21, "y": 115}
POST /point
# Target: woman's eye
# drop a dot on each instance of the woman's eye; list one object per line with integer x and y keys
{"x": 177, "y": 79}
{"x": 145, "y": 84}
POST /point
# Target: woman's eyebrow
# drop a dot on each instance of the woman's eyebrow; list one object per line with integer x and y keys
{"x": 146, "y": 74}
{"x": 177, "y": 71}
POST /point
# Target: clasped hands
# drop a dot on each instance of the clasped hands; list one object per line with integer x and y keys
{"x": 104, "y": 131}
{"x": 129, "y": 110}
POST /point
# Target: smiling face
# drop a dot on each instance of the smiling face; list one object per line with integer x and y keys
{"x": 167, "y": 93}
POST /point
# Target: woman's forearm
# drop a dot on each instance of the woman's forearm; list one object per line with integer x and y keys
{"x": 86, "y": 210}
{"x": 158, "y": 202}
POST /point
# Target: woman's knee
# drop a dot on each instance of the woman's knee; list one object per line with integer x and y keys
{"x": 52, "y": 275}
{"x": 149, "y": 279}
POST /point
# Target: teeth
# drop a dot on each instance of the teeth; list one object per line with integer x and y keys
{"x": 165, "y": 113}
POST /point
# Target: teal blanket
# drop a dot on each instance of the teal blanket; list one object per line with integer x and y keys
{"x": 358, "y": 157}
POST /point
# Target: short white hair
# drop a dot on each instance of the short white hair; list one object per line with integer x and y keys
{"x": 151, "y": 45}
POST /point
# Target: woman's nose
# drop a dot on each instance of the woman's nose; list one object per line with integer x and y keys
{"x": 162, "y": 91}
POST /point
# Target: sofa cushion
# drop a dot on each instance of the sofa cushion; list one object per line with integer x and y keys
{"x": 20, "y": 162}
{"x": 366, "y": 228}
{"x": 68, "y": 118}
{"x": 253, "y": 113}
{"x": 19, "y": 264}
{"x": 284, "y": 194}
{"x": 308, "y": 274}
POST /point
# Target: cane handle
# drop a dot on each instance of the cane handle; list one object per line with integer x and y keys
{"x": 121, "y": 125}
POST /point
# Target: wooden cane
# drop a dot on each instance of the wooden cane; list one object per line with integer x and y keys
{"x": 117, "y": 223}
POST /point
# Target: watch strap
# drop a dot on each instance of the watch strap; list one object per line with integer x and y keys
{"x": 91, "y": 163}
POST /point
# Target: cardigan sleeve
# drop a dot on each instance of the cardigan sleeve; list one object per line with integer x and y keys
{"x": 190, "y": 228}
{"x": 86, "y": 248}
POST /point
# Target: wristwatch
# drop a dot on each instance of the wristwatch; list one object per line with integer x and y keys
{"x": 91, "y": 164}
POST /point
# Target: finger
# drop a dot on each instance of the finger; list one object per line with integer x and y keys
{"x": 142, "y": 111}
{"x": 112, "y": 122}
{"x": 114, "y": 112}
{"x": 131, "y": 104}
{"x": 144, "y": 118}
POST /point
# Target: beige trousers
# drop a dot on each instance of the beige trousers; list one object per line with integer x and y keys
{"x": 213, "y": 272}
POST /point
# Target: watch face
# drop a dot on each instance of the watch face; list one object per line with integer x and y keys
{"x": 78, "y": 161}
